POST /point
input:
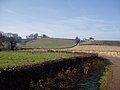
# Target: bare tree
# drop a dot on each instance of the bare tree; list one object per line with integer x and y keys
{"x": 77, "y": 40}
{"x": 12, "y": 43}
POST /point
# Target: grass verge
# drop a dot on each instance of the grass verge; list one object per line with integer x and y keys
{"x": 106, "y": 77}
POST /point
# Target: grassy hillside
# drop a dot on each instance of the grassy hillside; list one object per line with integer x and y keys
{"x": 19, "y": 58}
{"x": 48, "y": 43}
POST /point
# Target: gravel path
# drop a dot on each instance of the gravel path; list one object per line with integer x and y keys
{"x": 115, "y": 81}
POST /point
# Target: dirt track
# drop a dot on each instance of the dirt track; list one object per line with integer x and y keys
{"x": 115, "y": 81}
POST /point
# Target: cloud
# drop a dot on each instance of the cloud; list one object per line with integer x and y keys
{"x": 10, "y": 11}
{"x": 69, "y": 28}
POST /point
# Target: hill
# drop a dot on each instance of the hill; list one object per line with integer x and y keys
{"x": 48, "y": 43}
{"x": 101, "y": 42}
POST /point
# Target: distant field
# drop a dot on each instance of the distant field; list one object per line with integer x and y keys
{"x": 96, "y": 48}
{"x": 48, "y": 43}
{"x": 19, "y": 58}
{"x": 100, "y": 49}
{"x": 101, "y": 42}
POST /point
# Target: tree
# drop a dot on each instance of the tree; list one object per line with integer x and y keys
{"x": 18, "y": 39}
{"x": 77, "y": 40}
{"x": 35, "y": 35}
{"x": 91, "y": 38}
{"x": 31, "y": 36}
{"x": 1, "y": 41}
{"x": 12, "y": 43}
{"x": 44, "y": 36}
{"x": 8, "y": 40}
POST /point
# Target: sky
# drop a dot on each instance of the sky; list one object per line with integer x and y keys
{"x": 62, "y": 18}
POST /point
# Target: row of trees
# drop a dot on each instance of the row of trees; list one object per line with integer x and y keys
{"x": 36, "y": 36}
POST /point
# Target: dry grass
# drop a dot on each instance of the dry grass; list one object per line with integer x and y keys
{"x": 101, "y": 50}
{"x": 97, "y": 48}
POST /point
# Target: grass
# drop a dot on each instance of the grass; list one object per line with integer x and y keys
{"x": 106, "y": 76}
{"x": 105, "y": 79}
{"x": 19, "y": 58}
{"x": 49, "y": 43}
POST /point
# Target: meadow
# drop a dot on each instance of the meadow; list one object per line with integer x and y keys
{"x": 19, "y": 58}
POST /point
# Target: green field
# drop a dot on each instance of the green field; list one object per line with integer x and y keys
{"x": 48, "y": 43}
{"x": 19, "y": 58}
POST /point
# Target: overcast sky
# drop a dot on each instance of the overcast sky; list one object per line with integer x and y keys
{"x": 62, "y": 18}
